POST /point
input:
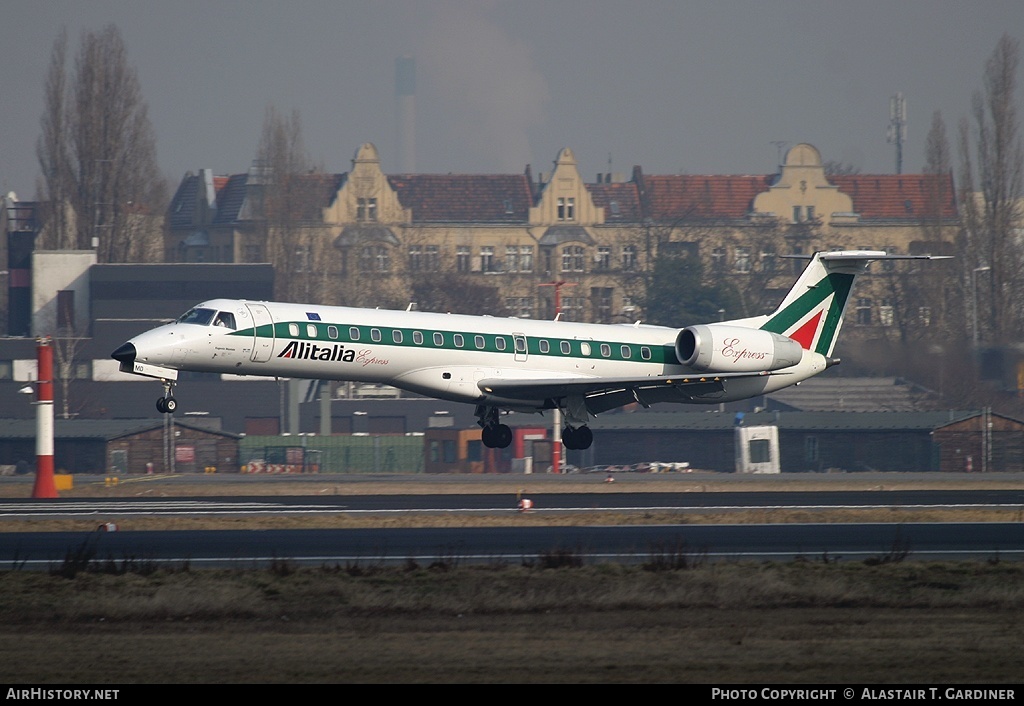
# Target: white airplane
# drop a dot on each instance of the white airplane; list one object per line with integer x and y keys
{"x": 510, "y": 364}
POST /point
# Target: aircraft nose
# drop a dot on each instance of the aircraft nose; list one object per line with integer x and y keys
{"x": 125, "y": 354}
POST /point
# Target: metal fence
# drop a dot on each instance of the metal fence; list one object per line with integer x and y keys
{"x": 332, "y": 454}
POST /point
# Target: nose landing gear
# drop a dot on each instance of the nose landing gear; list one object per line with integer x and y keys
{"x": 167, "y": 404}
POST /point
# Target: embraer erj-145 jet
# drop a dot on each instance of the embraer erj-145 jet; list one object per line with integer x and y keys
{"x": 510, "y": 364}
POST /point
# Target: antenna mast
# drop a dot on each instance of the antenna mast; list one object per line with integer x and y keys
{"x": 779, "y": 146}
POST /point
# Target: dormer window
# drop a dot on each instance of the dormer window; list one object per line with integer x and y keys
{"x": 566, "y": 209}
{"x": 366, "y": 209}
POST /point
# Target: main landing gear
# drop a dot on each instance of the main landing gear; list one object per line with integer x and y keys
{"x": 576, "y": 436}
{"x": 499, "y": 436}
{"x": 167, "y": 404}
{"x": 494, "y": 434}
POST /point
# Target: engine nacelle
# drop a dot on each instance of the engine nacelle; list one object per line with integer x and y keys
{"x": 727, "y": 349}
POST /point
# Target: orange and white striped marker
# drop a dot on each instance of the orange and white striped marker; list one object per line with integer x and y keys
{"x": 44, "y": 487}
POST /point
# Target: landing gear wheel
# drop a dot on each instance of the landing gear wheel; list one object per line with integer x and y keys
{"x": 569, "y": 438}
{"x": 167, "y": 404}
{"x": 503, "y": 436}
{"x": 498, "y": 436}
{"x": 577, "y": 439}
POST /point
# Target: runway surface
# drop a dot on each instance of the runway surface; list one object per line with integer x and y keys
{"x": 543, "y": 502}
{"x": 883, "y": 541}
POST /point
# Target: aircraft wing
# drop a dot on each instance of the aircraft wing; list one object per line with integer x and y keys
{"x": 602, "y": 394}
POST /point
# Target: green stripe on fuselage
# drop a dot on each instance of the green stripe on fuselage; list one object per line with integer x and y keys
{"x": 663, "y": 354}
{"x": 834, "y": 283}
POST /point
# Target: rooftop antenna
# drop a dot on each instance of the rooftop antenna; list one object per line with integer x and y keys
{"x": 897, "y": 133}
{"x": 779, "y": 144}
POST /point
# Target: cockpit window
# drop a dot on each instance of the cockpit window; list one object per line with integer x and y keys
{"x": 225, "y": 319}
{"x": 198, "y": 316}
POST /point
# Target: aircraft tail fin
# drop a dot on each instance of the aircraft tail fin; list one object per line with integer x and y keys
{"x": 812, "y": 312}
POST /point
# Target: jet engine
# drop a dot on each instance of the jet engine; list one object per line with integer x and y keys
{"x": 720, "y": 349}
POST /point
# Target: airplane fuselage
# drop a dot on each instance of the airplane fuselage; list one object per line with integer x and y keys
{"x": 503, "y": 364}
{"x": 440, "y": 355}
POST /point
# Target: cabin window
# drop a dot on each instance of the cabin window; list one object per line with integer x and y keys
{"x": 499, "y": 343}
{"x": 606, "y": 350}
{"x": 417, "y": 338}
{"x": 396, "y": 336}
{"x": 585, "y": 348}
{"x": 459, "y": 340}
{"x": 293, "y": 330}
{"x": 375, "y": 335}
{"x": 311, "y": 330}
{"x": 438, "y": 339}
{"x": 626, "y": 352}
{"x": 478, "y": 341}
{"x": 332, "y": 332}
{"x": 520, "y": 343}
{"x": 544, "y": 346}
{"x": 565, "y": 347}
{"x": 353, "y": 333}
{"x": 645, "y": 352}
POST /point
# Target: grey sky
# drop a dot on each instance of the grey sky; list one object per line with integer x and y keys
{"x": 694, "y": 87}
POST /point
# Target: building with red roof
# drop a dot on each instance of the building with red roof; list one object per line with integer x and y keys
{"x": 373, "y": 239}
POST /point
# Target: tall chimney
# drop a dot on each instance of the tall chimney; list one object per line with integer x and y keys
{"x": 405, "y": 102}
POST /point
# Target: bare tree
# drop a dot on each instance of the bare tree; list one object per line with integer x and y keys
{"x": 993, "y": 261}
{"x": 53, "y": 149}
{"x": 455, "y": 293}
{"x": 943, "y": 291}
{"x": 97, "y": 152}
{"x": 938, "y": 164}
{"x": 293, "y": 190}
{"x": 66, "y": 349}
{"x": 834, "y": 167}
